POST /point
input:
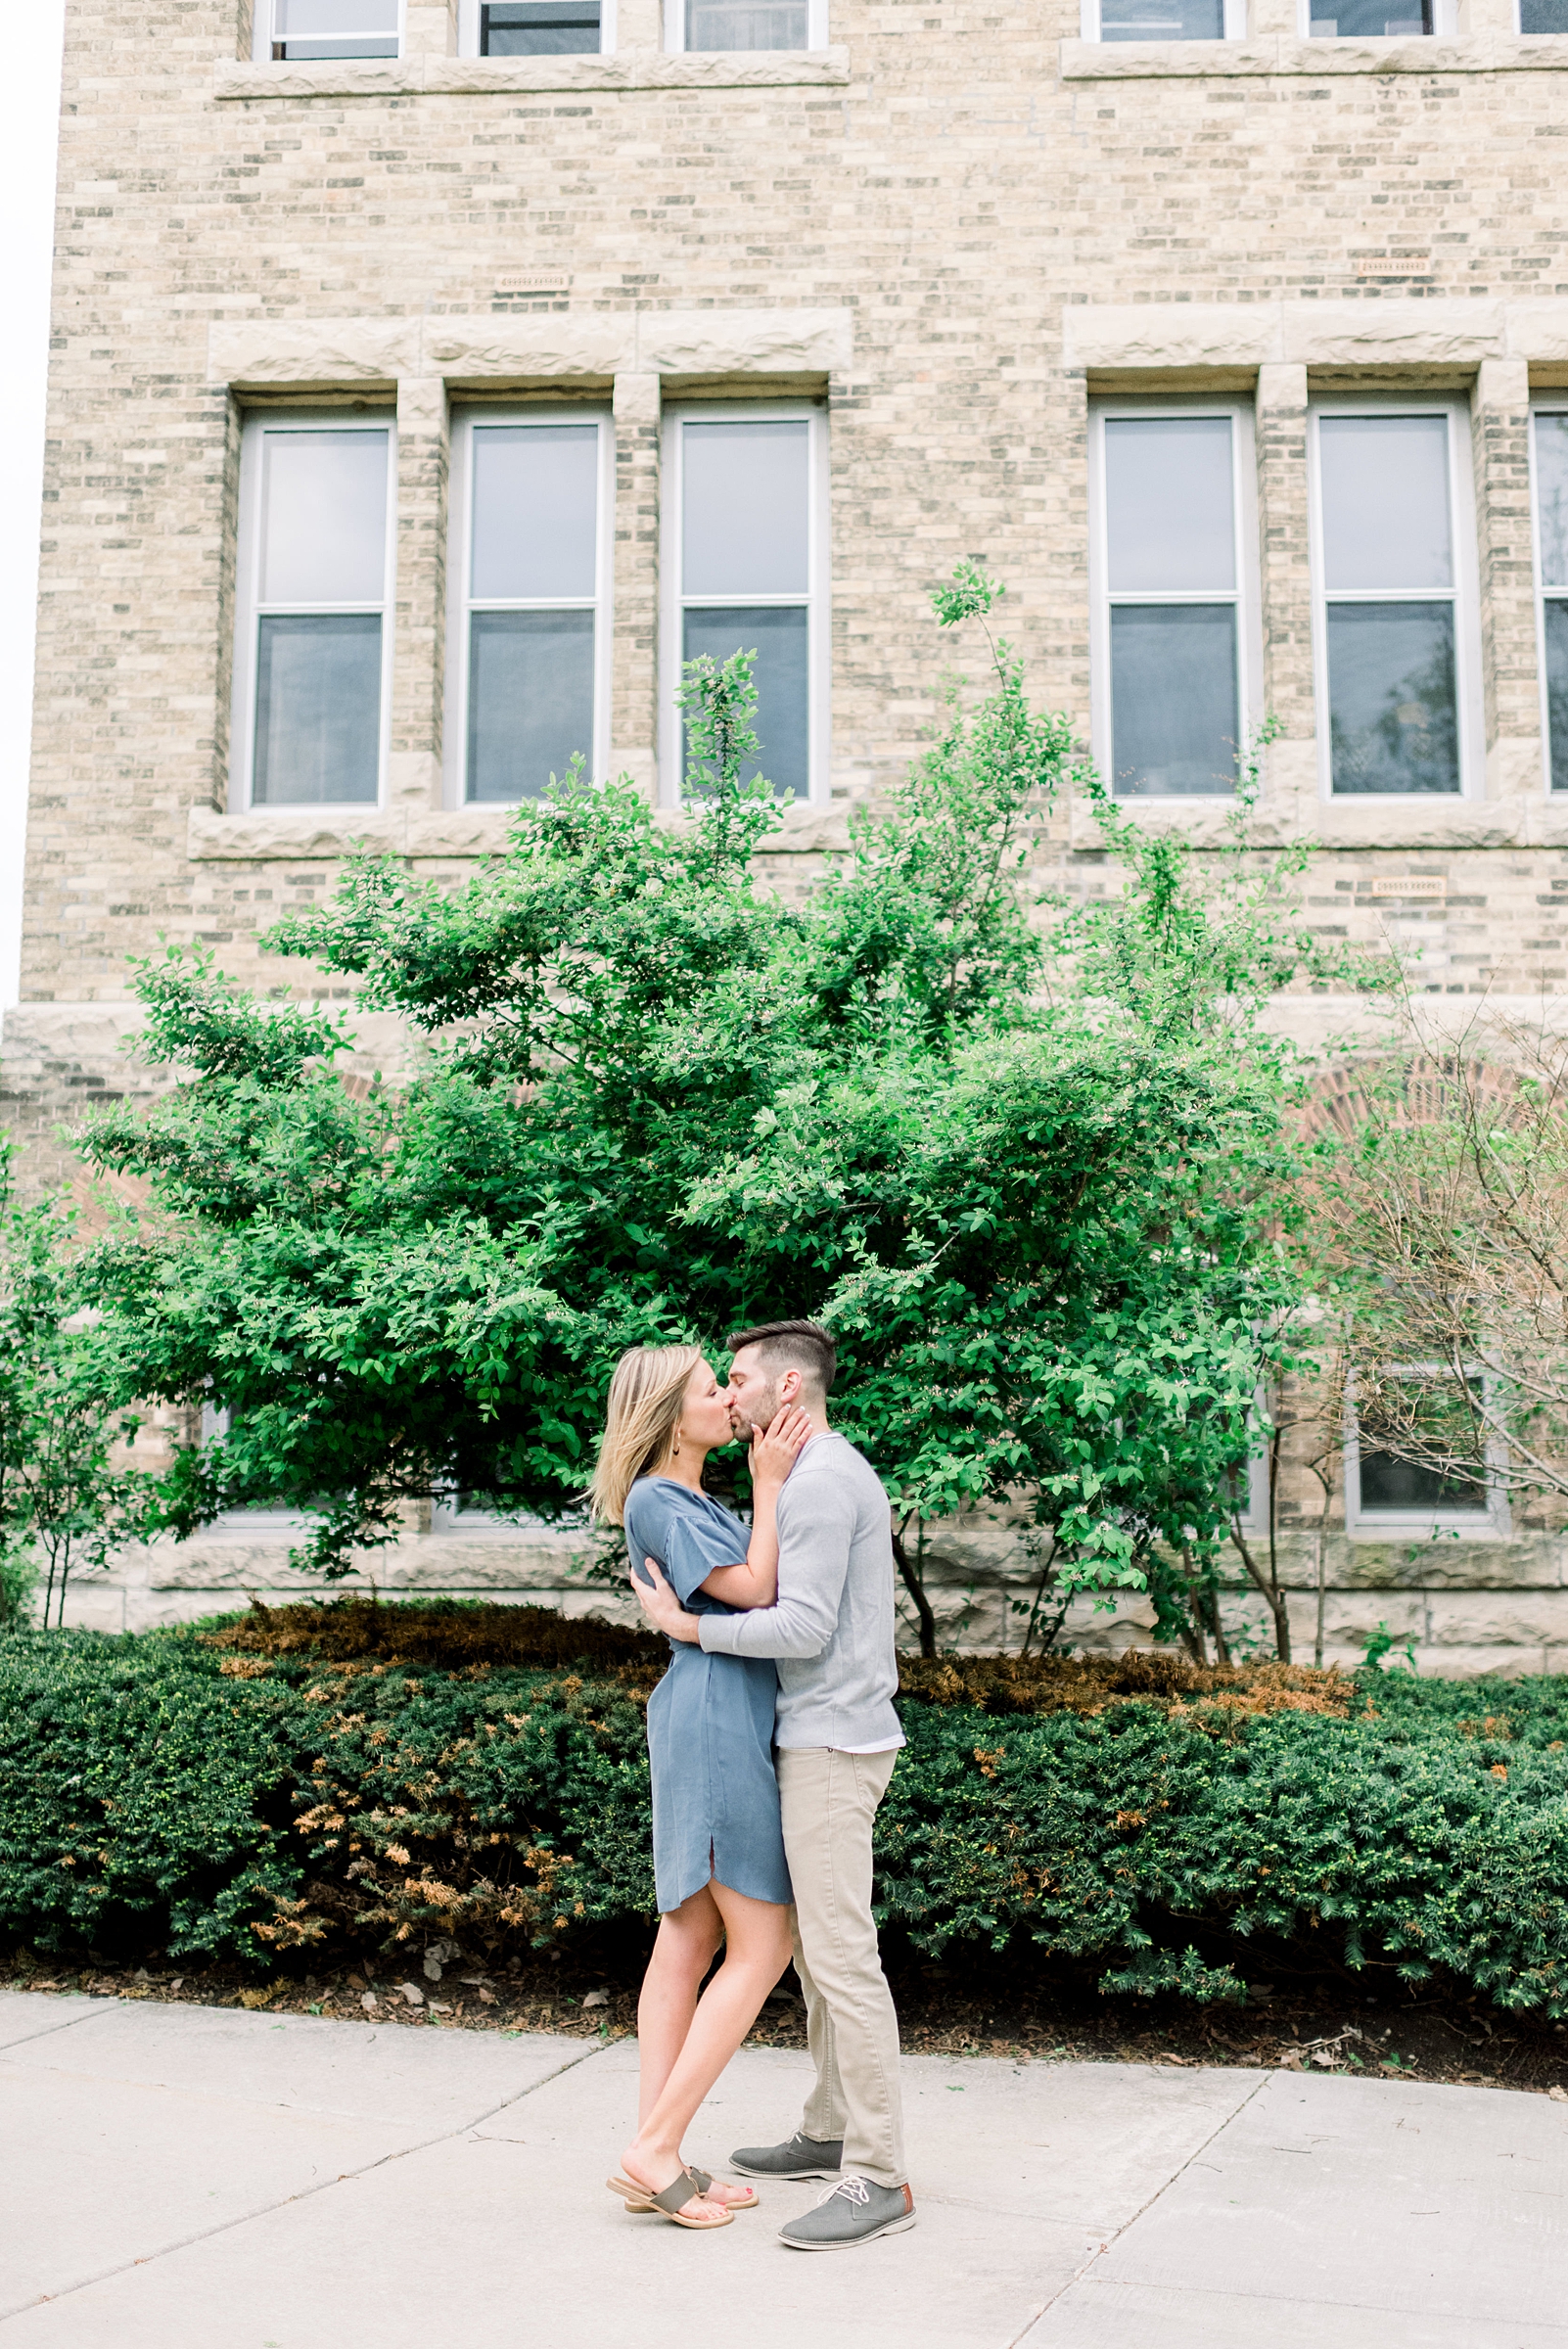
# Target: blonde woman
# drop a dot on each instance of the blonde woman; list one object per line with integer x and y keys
{"x": 719, "y": 1849}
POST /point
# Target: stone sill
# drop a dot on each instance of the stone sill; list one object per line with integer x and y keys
{"x": 1529, "y": 820}
{"x": 1191, "y": 60}
{"x": 423, "y": 76}
{"x": 309, "y": 835}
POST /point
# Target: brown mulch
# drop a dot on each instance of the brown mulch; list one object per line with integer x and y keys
{"x": 455, "y": 1638}
{"x": 983, "y": 2007}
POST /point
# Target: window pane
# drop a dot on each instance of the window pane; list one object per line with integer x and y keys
{"x": 746, "y": 24}
{"x": 783, "y": 680}
{"x": 1390, "y": 1483}
{"x": 1161, "y": 20}
{"x": 746, "y": 520}
{"x": 1168, "y": 503}
{"x": 530, "y": 699}
{"x": 1551, "y": 494}
{"x": 1386, "y": 501}
{"x": 1373, "y": 20}
{"x": 317, "y": 709}
{"x": 535, "y": 505}
{"x": 312, "y": 19}
{"x": 540, "y": 28}
{"x": 1544, "y": 16}
{"x": 1394, "y": 722}
{"x": 1556, "y": 631}
{"x": 1174, "y": 728}
{"x": 324, "y": 518}
{"x": 327, "y": 28}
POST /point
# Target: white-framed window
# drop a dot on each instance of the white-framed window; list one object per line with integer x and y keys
{"x": 1173, "y": 587}
{"x": 1164, "y": 20}
{"x": 1389, "y": 1498}
{"x": 1396, "y": 638}
{"x": 535, "y": 27}
{"x": 714, "y": 25}
{"x": 314, "y": 31}
{"x": 529, "y": 640}
{"x": 744, "y": 566}
{"x": 1544, "y": 16}
{"x": 1548, "y": 433}
{"x": 264, "y": 1517}
{"x": 1379, "y": 20}
{"x": 314, "y": 583}
{"x": 1250, "y": 1497}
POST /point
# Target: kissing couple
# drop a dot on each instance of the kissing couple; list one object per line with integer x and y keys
{"x": 771, "y": 1739}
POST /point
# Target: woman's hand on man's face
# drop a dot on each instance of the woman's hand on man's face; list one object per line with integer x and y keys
{"x": 771, "y": 1456}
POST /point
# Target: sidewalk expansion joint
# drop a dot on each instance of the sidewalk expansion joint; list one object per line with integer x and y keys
{"x": 1114, "y": 2234}
{"x": 245, "y": 2218}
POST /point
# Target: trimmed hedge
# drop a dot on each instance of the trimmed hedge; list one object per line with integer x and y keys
{"x": 225, "y": 1802}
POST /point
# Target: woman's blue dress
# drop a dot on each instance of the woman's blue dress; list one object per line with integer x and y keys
{"x": 711, "y": 1718}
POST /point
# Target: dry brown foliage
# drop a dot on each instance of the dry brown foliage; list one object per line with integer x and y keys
{"x": 341, "y": 1631}
{"x": 1087, "y": 1684}
{"x": 345, "y": 1630}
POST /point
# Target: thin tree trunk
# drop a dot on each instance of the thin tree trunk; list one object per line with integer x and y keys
{"x": 913, "y": 1583}
{"x": 1206, "y": 1604}
{"x": 1323, "y": 1591}
{"x": 1270, "y": 1591}
{"x": 1039, "y": 1593}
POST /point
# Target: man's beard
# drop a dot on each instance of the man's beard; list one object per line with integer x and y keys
{"x": 758, "y": 1416}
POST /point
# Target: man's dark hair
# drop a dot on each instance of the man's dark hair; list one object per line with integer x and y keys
{"x": 792, "y": 1346}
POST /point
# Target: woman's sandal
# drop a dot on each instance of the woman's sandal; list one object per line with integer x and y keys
{"x": 749, "y": 2199}
{"x": 670, "y": 2201}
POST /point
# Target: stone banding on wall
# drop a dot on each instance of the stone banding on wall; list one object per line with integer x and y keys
{"x": 490, "y": 76}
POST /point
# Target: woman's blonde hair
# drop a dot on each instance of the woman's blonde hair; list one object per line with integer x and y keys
{"x": 646, "y": 1394}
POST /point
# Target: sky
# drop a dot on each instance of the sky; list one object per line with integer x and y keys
{"x": 27, "y": 225}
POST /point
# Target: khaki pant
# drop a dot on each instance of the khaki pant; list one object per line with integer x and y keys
{"x": 829, "y": 1801}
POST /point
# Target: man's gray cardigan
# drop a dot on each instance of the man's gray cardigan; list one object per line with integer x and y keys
{"x": 831, "y": 1629}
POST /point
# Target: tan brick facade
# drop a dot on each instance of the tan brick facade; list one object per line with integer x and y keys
{"x": 954, "y": 229}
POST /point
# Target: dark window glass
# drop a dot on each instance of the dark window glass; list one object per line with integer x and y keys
{"x": 1544, "y": 16}
{"x": 1390, "y": 1483}
{"x": 778, "y": 635}
{"x": 1161, "y": 20}
{"x": 530, "y": 699}
{"x": 1393, "y": 712}
{"x": 1557, "y": 619}
{"x": 746, "y": 24}
{"x": 317, "y": 709}
{"x": 1373, "y": 20}
{"x": 1172, "y": 699}
{"x": 539, "y": 28}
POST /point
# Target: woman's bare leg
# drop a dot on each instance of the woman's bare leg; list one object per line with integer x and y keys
{"x": 758, "y": 1938}
{"x": 687, "y": 1944}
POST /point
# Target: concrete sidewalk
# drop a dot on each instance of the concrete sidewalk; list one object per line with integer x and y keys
{"x": 201, "y": 2177}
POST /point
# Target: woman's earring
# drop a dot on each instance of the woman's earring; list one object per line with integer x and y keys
{"x": 674, "y": 1448}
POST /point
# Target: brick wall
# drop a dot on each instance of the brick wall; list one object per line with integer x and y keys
{"x": 954, "y": 228}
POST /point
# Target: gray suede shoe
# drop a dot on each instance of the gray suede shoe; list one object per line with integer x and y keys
{"x": 854, "y": 2211}
{"x": 802, "y": 2157}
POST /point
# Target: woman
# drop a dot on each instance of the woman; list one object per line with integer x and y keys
{"x": 718, "y": 1850}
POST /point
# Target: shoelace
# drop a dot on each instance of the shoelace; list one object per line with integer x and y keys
{"x": 853, "y": 2190}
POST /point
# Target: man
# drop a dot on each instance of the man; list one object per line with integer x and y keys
{"x": 830, "y": 1631}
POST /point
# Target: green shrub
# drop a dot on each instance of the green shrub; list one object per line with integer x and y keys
{"x": 227, "y": 1802}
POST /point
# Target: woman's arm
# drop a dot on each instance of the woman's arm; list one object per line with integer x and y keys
{"x": 770, "y": 1459}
